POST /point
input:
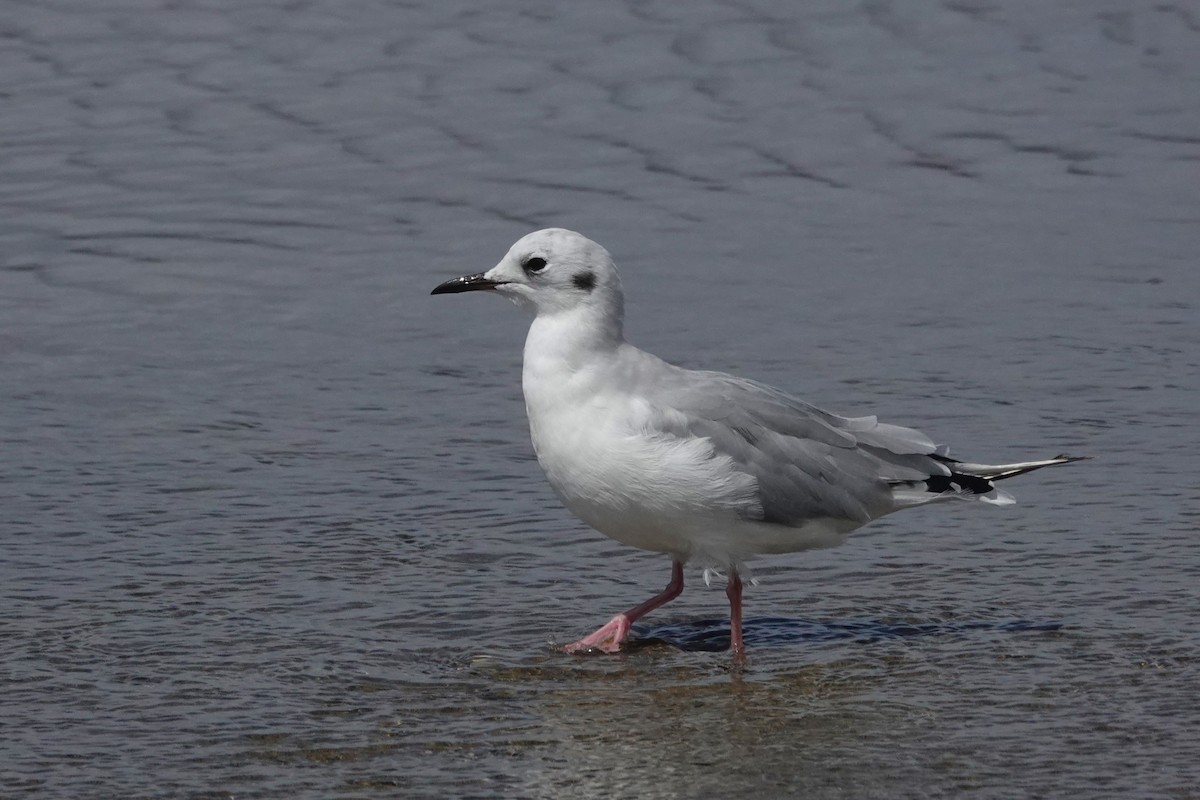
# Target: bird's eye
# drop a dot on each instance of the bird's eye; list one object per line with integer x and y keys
{"x": 534, "y": 264}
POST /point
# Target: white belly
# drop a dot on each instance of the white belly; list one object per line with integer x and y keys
{"x": 659, "y": 492}
{"x": 597, "y": 439}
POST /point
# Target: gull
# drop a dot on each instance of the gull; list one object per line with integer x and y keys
{"x": 705, "y": 467}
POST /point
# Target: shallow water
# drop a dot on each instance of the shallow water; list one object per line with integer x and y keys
{"x": 271, "y": 522}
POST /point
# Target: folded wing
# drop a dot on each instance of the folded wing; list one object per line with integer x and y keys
{"x": 808, "y": 463}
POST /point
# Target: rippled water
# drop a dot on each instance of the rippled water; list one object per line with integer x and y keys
{"x": 271, "y": 522}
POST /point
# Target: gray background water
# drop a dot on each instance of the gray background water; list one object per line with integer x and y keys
{"x": 271, "y": 526}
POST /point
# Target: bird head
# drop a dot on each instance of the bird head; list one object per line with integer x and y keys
{"x": 548, "y": 272}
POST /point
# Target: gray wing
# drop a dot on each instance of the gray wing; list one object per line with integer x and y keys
{"x": 808, "y": 463}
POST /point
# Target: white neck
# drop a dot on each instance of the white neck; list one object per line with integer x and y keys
{"x": 564, "y": 354}
{"x": 570, "y": 337}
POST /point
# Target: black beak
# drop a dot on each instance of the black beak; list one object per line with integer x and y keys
{"x": 467, "y": 283}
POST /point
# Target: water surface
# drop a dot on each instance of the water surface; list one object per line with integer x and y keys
{"x": 271, "y": 522}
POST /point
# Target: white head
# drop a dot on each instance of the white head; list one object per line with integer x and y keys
{"x": 552, "y": 271}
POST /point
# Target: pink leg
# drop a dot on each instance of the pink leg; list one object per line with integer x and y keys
{"x": 610, "y": 637}
{"x": 734, "y": 592}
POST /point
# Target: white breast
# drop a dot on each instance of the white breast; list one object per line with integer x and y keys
{"x": 642, "y": 488}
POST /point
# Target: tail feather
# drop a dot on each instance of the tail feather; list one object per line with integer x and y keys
{"x": 998, "y": 472}
{"x": 969, "y": 481}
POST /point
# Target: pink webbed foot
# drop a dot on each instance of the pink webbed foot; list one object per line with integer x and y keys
{"x": 608, "y": 639}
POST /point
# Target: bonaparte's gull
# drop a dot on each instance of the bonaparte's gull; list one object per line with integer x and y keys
{"x": 702, "y": 466}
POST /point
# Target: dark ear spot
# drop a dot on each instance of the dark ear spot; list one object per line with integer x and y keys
{"x": 585, "y": 281}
